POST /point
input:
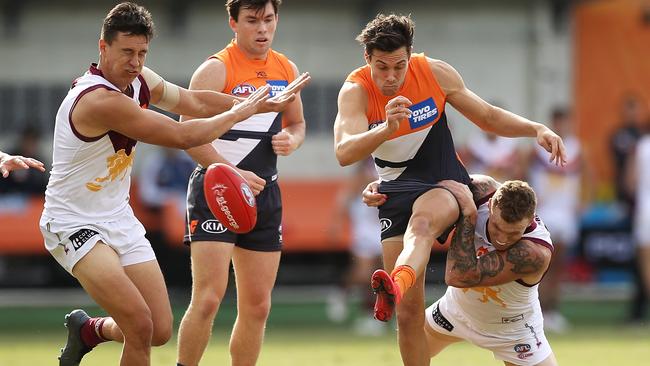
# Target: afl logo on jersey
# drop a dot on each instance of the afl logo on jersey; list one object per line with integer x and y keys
{"x": 243, "y": 90}
{"x": 385, "y": 224}
{"x": 213, "y": 226}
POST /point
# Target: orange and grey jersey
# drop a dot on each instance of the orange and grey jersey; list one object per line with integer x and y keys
{"x": 91, "y": 176}
{"x": 248, "y": 144}
{"x": 493, "y": 306}
{"x": 421, "y": 151}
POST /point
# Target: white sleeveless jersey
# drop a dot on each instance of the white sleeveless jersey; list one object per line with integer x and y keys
{"x": 557, "y": 188}
{"x": 493, "y": 306}
{"x": 91, "y": 176}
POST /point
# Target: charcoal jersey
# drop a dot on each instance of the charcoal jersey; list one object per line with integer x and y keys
{"x": 248, "y": 144}
{"x": 91, "y": 176}
{"x": 421, "y": 152}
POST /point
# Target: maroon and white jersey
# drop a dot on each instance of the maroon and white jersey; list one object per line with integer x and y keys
{"x": 91, "y": 176}
{"x": 490, "y": 307}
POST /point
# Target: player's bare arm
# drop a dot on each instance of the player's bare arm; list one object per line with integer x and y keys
{"x": 482, "y": 186}
{"x": 523, "y": 260}
{"x": 105, "y": 110}
{"x": 352, "y": 139}
{"x": 492, "y": 118}
{"x": 293, "y": 134}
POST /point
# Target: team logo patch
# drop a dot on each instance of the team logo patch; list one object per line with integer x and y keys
{"x": 80, "y": 238}
{"x": 277, "y": 86}
{"x": 423, "y": 113}
{"x": 522, "y": 347}
{"x": 374, "y": 125}
{"x": 213, "y": 227}
{"x": 385, "y": 224}
{"x": 243, "y": 90}
{"x": 246, "y": 191}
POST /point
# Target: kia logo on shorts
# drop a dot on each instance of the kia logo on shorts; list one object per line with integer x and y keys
{"x": 213, "y": 226}
{"x": 385, "y": 224}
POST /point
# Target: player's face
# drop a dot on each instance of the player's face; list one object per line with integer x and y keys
{"x": 504, "y": 234}
{"x": 122, "y": 60}
{"x": 255, "y": 29}
{"x": 388, "y": 69}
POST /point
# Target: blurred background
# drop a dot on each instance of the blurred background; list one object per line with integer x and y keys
{"x": 581, "y": 67}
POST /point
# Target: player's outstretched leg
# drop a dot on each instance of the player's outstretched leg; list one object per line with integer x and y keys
{"x": 75, "y": 348}
{"x": 388, "y": 295}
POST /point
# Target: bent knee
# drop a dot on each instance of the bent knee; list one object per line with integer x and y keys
{"x": 161, "y": 336}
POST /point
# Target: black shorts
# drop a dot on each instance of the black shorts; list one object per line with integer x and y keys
{"x": 394, "y": 215}
{"x": 266, "y": 236}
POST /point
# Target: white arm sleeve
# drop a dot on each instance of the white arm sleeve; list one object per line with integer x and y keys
{"x": 171, "y": 92}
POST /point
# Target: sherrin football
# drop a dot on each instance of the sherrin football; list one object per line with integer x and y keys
{"x": 230, "y": 198}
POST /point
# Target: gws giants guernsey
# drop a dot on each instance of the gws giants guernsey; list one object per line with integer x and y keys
{"x": 91, "y": 176}
{"x": 421, "y": 151}
{"x": 493, "y": 306}
{"x": 248, "y": 143}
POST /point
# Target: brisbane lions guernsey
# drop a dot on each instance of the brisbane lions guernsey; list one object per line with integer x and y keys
{"x": 421, "y": 151}
{"x": 494, "y": 306}
{"x": 91, "y": 176}
{"x": 248, "y": 143}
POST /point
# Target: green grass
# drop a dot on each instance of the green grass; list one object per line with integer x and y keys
{"x": 301, "y": 335}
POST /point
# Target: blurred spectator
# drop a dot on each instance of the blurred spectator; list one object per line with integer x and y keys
{"x": 496, "y": 156}
{"x": 623, "y": 143}
{"x": 365, "y": 251}
{"x": 164, "y": 178}
{"x": 558, "y": 202}
{"x": 26, "y": 181}
{"x": 639, "y": 178}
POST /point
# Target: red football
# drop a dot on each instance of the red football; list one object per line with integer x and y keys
{"x": 230, "y": 198}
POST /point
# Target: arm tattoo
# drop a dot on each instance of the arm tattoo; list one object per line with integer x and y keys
{"x": 525, "y": 261}
{"x": 461, "y": 250}
{"x": 481, "y": 187}
{"x": 467, "y": 267}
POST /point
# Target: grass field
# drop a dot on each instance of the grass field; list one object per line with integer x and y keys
{"x": 301, "y": 335}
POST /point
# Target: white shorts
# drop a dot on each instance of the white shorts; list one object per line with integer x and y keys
{"x": 524, "y": 343}
{"x": 68, "y": 242}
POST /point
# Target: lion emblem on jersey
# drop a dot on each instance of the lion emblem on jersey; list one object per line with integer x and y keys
{"x": 118, "y": 166}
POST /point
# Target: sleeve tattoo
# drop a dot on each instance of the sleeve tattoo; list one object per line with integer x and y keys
{"x": 471, "y": 270}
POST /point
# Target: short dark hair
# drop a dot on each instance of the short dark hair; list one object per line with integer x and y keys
{"x": 233, "y": 6}
{"x": 128, "y": 18}
{"x": 516, "y": 200}
{"x": 387, "y": 33}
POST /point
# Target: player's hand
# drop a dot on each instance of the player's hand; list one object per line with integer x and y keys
{"x": 251, "y": 105}
{"x": 256, "y": 183}
{"x": 397, "y": 111}
{"x": 372, "y": 197}
{"x": 17, "y": 162}
{"x": 283, "y": 143}
{"x": 280, "y": 102}
{"x": 463, "y": 196}
{"x": 552, "y": 143}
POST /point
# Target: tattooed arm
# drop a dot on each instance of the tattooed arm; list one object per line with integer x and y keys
{"x": 482, "y": 186}
{"x": 524, "y": 260}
